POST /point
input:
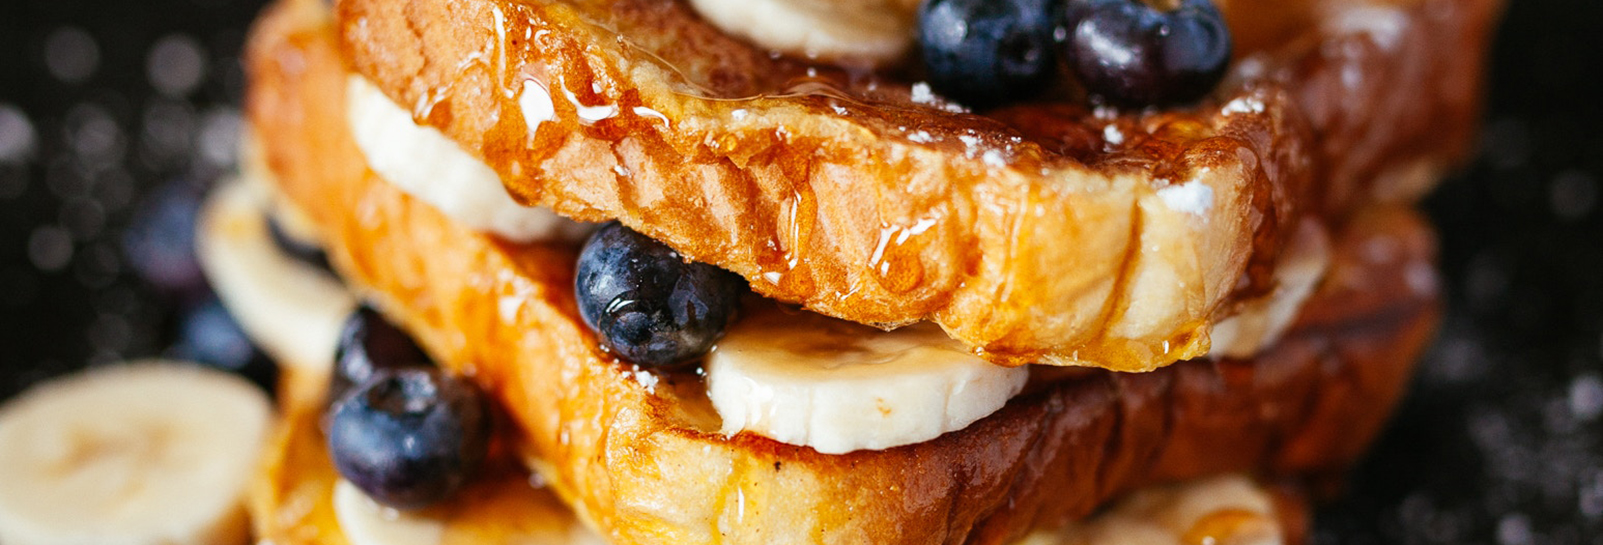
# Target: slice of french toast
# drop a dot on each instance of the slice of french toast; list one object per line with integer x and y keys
{"x": 295, "y": 499}
{"x": 639, "y": 456}
{"x": 1039, "y": 233}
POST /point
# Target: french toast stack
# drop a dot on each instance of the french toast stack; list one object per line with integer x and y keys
{"x": 651, "y": 271}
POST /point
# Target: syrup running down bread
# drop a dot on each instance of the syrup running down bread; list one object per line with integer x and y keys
{"x": 644, "y": 461}
{"x": 1039, "y": 233}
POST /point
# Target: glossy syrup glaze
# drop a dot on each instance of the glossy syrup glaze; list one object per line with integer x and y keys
{"x": 293, "y": 500}
{"x": 628, "y": 452}
{"x": 1033, "y": 234}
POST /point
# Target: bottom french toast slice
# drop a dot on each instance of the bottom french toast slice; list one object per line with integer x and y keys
{"x": 646, "y": 464}
{"x": 295, "y": 499}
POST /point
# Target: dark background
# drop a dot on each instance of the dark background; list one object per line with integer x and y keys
{"x": 115, "y": 116}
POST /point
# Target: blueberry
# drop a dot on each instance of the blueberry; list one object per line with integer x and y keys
{"x": 1132, "y": 54}
{"x": 208, "y": 334}
{"x": 297, "y": 249}
{"x": 160, "y": 242}
{"x": 410, "y": 437}
{"x": 649, "y": 305}
{"x": 369, "y": 343}
{"x": 987, "y": 52}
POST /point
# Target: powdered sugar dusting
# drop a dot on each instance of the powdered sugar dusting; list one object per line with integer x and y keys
{"x": 922, "y": 93}
{"x": 1243, "y": 105}
{"x": 1193, "y": 197}
{"x": 993, "y": 158}
{"x": 1112, "y": 135}
{"x": 644, "y": 378}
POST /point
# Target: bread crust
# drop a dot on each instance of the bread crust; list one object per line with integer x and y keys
{"x": 291, "y": 500}
{"x": 641, "y": 465}
{"x": 1043, "y": 233}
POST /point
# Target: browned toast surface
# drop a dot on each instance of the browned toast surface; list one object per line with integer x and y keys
{"x": 1043, "y": 233}
{"x": 292, "y": 502}
{"x": 641, "y": 463}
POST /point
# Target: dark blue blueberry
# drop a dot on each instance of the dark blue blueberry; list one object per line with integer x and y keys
{"x": 410, "y": 437}
{"x": 987, "y": 52}
{"x": 369, "y": 343}
{"x": 649, "y": 305}
{"x": 160, "y": 241}
{"x": 210, "y": 335}
{"x": 297, "y": 249}
{"x": 1133, "y": 54}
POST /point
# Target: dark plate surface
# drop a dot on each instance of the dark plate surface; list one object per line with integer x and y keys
{"x": 115, "y": 116}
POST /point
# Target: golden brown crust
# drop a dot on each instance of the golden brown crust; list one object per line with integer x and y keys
{"x": 291, "y": 504}
{"x": 1035, "y": 235}
{"x": 638, "y": 465}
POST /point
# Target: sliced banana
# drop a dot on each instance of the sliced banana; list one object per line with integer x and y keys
{"x": 507, "y": 517}
{"x": 365, "y": 522}
{"x": 427, "y": 165}
{"x": 853, "y": 33}
{"x": 144, "y": 453}
{"x": 804, "y": 379}
{"x": 1262, "y": 321}
{"x": 292, "y": 309}
{"x": 1223, "y": 510}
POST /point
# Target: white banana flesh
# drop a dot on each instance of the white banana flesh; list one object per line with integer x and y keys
{"x": 424, "y": 163}
{"x": 838, "y": 387}
{"x": 1223, "y": 510}
{"x": 366, "y": 522}
{"x": 1262, "y": 321}
{"x": 140, "y": 454}
{"x": 293, "y": 310}
{"x": 867, "y": 34}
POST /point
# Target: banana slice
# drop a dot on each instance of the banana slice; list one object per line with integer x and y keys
{"x": 808, "y": 380}
{"x": 1223, "y": 510}
{"x": 852, "y": 33}
{"x": 518, "y": 518}
{"x": 365, "y": 522}
{"x": 144, "y": 453}
{"x": 1262, "y": 321}
{"x": 292, "y": 309}
{"x": 429, "y": 166}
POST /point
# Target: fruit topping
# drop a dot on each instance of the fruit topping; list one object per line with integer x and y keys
{"x": 140, "y": 453}
{"x": 292, "y": 311}
{"x": 410, "y": 437}
{"x": 159, "y": 242}
{"x": 1130, "y": 53}
{"x": 647, "y": 303}
{"x": 209, "y": 334}
{"x": 984, "y": 53}
{"x": 369, "y": 343}
{"x": 804, "y": 379}
{"x": 421, "y": 161}
{"x": 296, "y": 248}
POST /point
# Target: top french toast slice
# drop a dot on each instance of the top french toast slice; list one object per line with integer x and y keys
{"x": 1039, "y": 233}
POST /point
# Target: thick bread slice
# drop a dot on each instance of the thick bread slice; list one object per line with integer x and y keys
{"x": 636, "y": 456}
{"x": 1045, "y": 233}
{"x": 292, "y": 503}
